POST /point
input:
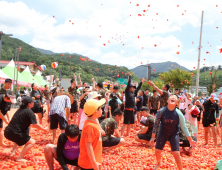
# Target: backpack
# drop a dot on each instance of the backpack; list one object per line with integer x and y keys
{"x": 194, "y": 113}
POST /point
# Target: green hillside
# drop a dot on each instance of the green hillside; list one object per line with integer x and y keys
{"x": 68, "y": 65}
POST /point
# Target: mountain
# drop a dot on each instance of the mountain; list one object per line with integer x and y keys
{"x": 45, "y": 51}
{"x": 141, "y": 71}
{"x": 67, "y": 63}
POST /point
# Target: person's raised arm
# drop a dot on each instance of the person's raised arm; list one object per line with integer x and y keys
{"x": 129, "y": 81}
{"x": 94, "y": 85}
{"x": 138, "y": 88}
{"x": 80, "y": 82}
{"x": 83, "y": 95}
{"x": 155, "y": 87}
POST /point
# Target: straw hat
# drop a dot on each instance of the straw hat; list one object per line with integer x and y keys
{"x": 69, "y": 95}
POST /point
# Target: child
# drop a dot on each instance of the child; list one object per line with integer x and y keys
{"x": 90, "y": 156}
{"x": 182, "y": 104}
{"x": 192, "y": 118}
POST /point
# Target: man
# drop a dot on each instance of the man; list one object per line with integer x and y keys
{"x": 73, "y": 91}
{"x": 145, "y": 134}
{"x": 5, "y": 100}
{"x": 47, "y": 95}
{"x": 116, "y": 91}
{"x": 194, "y": 99}
{"x": 164, "y": 95}
{"x": 170, "y": 120}
{"x": 25, "y": 92}
{"x": 209, "y": 120}
{"x": 67, "y": 149}
{"x": 53, "y": 86}
{"x": 57, "y": 112}
{"x": 110, "y": 126}
{"x": 154, "y": 103}
{"x": 130, "y": 94}
{"x": 7, "y": 85}
{"x": 146, "y": 98}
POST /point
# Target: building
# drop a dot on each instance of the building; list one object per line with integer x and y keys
{"x": 192, "y": 89}
{"x": 22, "y": 65}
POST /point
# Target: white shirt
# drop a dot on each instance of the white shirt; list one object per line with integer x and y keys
{"x": 182, "y": 106}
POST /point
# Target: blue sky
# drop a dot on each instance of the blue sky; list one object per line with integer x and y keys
{"x": 33, "y": 22}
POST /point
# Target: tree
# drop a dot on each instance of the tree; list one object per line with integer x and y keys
{"x": 199, "y": 93}
{"x": 177, "y": 78}
{"x": 157, "y": 83}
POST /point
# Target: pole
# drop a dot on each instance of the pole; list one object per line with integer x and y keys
{"x": 51, "y": 77}
{"x": 60, "y": 75}
{"x": 0, "y": 44}
{"x": 14, "y": 70}
{"x": 147, "y": 70}
{"x": 17, "y": 73}
{"x": 198, "y": 62}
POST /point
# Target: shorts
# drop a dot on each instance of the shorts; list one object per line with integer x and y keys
{"x": 70, "y": 162}
{"x": 55, "y": 119}
{"x": 153, "y": 111}
{"x": 186, "y": 143}
{"x": 18, "y": 138}
{"x": 47, "y": 102}
{"x": 173, "y": 139}
{"x": 194, "y": 128}
{"x": 1, "y": 123}
{"x": 36, "y": 109}
{"x": 198, "y": 117}
{"x": 146, "y": 137}
{"x": 128, "y": 117}
{"x": 111, "y": 141}
{"x": 208, "y": 122}
{"x": 86, "y": 169}
{"x": 74, "y": 107}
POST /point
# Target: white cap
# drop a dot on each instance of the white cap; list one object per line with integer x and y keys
{"x": 93, "y": 95}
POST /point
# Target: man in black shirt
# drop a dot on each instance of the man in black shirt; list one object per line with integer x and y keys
{"x": 130, "y": 94}
{"x": 146, "y": 98}
{"x": 17, "y": 130}
{"x": 8, "y": 84}
{"x": 5, "y": 101}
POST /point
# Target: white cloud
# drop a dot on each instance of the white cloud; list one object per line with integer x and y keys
{"x": 117, "y": 28}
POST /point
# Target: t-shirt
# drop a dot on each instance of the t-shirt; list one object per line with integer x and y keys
{"x": 182, "y": 135}
{"x": 139, "y": 103}
{"x": 91, "y": 134}
{"x": 4, "y": 106}
{"x": 113, "y": 103}
{"x": 154, "y": 101}
{"x": 47, "y": 94}
{"x": 182, "y": 106}
{"x": 145, "y": 99}
{"x": 102, "y": 92}
{"x": 73, "y": 92}
{"x": 108, "y": 125}
{"x": 37, "y": 100}
{"x": 163, "y": 99}
{"x": 3, "y": 91}
{"x": 71, "y": 150}
{"x": 210, "y": 109}
{"x": 21, "y": 120}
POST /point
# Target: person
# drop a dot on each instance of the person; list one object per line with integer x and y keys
{"x": 116, "y": 92}
{"x": 194, "y": 100}
{"x": 110, "y": 126}
{"x": 57, "y": 114}
{"x": 55, "y": 92}
{"x": 83, "y": 99}
{"x": 184, "y": 142}
{"x": 154, "y": 103}
{"x": 26, "y": 92}
{"x": 198, "y": 104}
{"x": 182, "y": 104}
{"x": 130, "y": 94}
{"x": 164, "y": 95}
{"x": 113, "y": 104}
{"x": 7, "y": 85}
{"x": 193, "y": 111}
{"x": 22, "y": 92}
{"x": 5, "y": 100}
{"x": 146, "y": 98}
{"x": 17, "y": 130}
{"x": 91, "y": 141}
{"x": 48, "y": 96}
{"x": 139, "y": 103}
{"x": 73, "y": 91}
{"x": 52, "y": 87}
{"x": 209, "y": 119}
{"x": 176, "y": 92}
{"x": 170, "y": 119}
{"x": 145, "y": 133}
{"x": 188, "y": 100}
{"x": 37, "y": 96}
{"x": 67, "y": 149}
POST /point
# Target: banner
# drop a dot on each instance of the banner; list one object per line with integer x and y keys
{"x": 49, "y": 78}
{"x": 122, "y": 81}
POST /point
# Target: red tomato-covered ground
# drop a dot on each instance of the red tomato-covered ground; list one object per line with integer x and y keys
{"x": 131, "y": 156}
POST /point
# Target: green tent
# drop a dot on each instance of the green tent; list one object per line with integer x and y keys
{"x": 28, "y": 75}
{"x": 9, "y": 71}
{"x": 40, "y": 79}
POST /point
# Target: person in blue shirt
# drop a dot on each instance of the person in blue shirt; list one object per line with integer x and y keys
{"x": 170, "y": 119}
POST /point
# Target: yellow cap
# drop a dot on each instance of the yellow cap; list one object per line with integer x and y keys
{"x": 92, "y": 105}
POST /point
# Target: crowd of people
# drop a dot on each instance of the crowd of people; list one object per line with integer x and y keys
{"x": 93, "y": 119}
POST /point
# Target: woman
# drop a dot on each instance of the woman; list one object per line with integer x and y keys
{"x": 17, "y": 130}
{"x": 37, "y": 96}
{"x": 188, "y": 100}
{"x": 83, "y": 99}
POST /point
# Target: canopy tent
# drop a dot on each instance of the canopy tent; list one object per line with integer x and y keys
{"x": 9, "y": 71}
{"x": 29, "y": 77}
{"x": 3, "y": 76}
{"x": 40, "y": 79}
